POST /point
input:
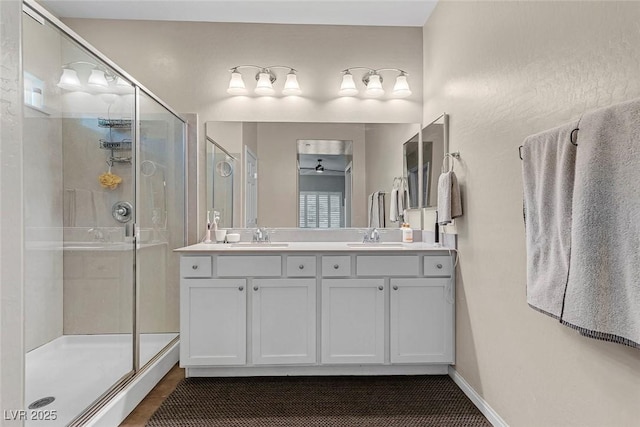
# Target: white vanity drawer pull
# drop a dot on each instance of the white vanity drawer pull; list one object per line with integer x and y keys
{"x": 395, "y": 287}
{"x": 255, "y": 288}
{"x": 194, "y": 266}
{"x": 336, "y": 266}
{"x": 381, "y": 288}
{"x": 241, "y": 288}
{"x": 301, "y": 266}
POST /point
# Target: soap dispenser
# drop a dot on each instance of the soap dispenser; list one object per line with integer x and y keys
{"x": 407, "y": 233}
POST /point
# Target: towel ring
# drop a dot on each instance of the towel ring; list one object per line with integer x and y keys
{"x": 454, "y": 155}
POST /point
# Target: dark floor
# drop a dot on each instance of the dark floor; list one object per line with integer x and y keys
{"x": 146, "y": 408}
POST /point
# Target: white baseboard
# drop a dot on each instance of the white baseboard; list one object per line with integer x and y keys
{"x": 477, "y": 400}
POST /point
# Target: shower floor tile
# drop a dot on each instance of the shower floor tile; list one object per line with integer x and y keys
{"x": 78, "y": 369}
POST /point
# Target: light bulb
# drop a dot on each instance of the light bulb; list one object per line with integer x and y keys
{"x": 348, "y": 86}
{"x": 401, "y": 88}
{"x": 69, "y": 80}
{"x": 264, "y": 87}
{"x": 236, "y": 84}
{"x": 98, "y": 79}
{"x": 291, "y": 86}
{"x": 374, "y": 87}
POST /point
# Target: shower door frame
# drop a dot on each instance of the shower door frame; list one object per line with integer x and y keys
{"x": 34, "y": 10}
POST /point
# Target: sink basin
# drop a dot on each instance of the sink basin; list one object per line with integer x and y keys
{"x": 258, "y": 245}
{"x": 376, "y": 245}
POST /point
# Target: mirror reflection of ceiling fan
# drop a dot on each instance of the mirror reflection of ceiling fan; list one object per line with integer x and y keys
{"x": 320, "y": 168}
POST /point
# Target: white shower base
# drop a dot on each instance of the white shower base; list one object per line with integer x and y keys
{"x": 78, "y": 369}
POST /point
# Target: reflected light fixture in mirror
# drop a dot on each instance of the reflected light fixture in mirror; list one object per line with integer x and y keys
{"x": 100, "y": 78}
{"x": 373, "y": 80}
{"x": 265, "y": 78}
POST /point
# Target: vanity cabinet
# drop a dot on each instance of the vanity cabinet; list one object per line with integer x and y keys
{"x": 316, "y": 313}
{"x": 421, "y": 320}
{"x": 213, "y": 328}
{"x": 353, "y": 320}
{"x": 283, "y": 319}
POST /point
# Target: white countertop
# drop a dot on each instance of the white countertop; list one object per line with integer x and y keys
{"x": 313, "y": 247}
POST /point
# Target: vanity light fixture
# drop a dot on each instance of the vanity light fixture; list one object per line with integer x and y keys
{"x": 265, "y": 79}
{"x": 373, "y": 83}
{"x": 100, "y": 77}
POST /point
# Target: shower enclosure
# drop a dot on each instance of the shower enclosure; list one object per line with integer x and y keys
{"x": 104, "y": 185}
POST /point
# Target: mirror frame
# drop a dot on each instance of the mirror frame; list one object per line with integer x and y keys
{"x": 445, "y": 141}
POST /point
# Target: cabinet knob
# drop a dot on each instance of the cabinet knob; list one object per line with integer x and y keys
{"x": 194, "y": 266}
{"x": 241, "y": 288}
{"x": 301, "y": 266}
{"x": 381, "y": 287}
{"x": 395, "y": 287}
{"x": 255, "y": 288}
{"x": 336, "y": 266}
{"x": 439, "y": 265}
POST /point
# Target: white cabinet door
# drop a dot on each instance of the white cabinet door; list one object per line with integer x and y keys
{"x": 422, "y": 321}
{"x": 353, "y": 321}
{"x": 213, "y": 322}
{"x": 283, "y": 320}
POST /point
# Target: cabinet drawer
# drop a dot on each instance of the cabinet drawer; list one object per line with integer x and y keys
{"x": 249, "y": 266}
{"x": 336, "y": 266}
{"x": 195, "y": 266}
{"x": 383, "y": 265}
{"x": 301, "y": 266}
{"x": 438, "y": 265}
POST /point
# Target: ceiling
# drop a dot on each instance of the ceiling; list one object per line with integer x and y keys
{"x": 412, "y": 13}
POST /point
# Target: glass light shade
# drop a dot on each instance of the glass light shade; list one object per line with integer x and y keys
{"x": 348, "y": 86}
{"x": 236, "y": 84}
{"x": 291, "y": 86}
{"x": 98, "y": 79}
{"x": 69, "y": 80}
{"x": 401, "y": 88}
{"x": 374, "y": 87}
{"x": 264, "y": 87}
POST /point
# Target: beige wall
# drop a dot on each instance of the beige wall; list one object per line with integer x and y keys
{"x": 11, "y": 220}
{"x": 504, "y": 70}
{"x": 186, "y": 64}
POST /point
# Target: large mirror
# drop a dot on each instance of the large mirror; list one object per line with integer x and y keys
{"x": 435, "y": 143}
{"x": 276, "y": 182}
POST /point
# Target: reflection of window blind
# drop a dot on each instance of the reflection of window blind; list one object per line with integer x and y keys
{"x": 321, "y": 209}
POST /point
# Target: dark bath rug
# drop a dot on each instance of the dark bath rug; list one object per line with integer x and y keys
{"x": 402, "y": 401}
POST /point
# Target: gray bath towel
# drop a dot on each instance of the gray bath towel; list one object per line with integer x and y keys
{"x": 603, "y": 292}
{"x": 449, "y": 200}
{"x": 547, "y": 174}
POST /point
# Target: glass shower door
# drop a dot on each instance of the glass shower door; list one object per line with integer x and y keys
{"x": 79, "y": 275}
{"x": 160, "y": 223}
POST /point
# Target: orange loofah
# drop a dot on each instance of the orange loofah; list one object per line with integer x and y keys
{"x": 109, "y": 180}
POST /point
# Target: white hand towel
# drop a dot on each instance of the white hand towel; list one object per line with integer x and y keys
{"x": 449, "y": 201}
{"x": 394, "y": 209}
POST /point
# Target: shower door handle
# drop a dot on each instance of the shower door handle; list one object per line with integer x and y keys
{"x": 128, "y": 230}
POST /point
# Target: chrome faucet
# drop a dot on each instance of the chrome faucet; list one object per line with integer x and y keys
{"x": 371, "y": 236}
{"x": 261, "y": 235}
